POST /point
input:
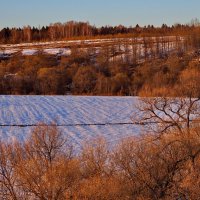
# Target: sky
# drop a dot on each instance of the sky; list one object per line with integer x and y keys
{"x": 18, "y": 13}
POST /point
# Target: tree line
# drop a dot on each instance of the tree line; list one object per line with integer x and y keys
{"x": 73, "y": 29}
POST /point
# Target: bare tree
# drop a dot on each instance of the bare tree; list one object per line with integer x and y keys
{"x": 8, "y": 180}
{"x": 157, "y": 168}
{"x": 95, "y": 157}
{"x": 27, "y": 33}
{"x": 97, "y": 172}
{"x": 46, "y": 168}
{"x": 163, "y": 114}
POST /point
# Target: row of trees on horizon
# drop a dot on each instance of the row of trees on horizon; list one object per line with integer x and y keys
{"x": 73, "y": 29}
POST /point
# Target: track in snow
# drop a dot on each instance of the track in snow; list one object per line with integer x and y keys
{"x": 81, "y": 118}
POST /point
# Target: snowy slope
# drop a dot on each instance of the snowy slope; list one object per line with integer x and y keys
{"x": 63, "y": 48}
{"x": 80, "y": 118}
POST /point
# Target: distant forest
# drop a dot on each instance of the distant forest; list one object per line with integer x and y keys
{"x": 72, "y": 29}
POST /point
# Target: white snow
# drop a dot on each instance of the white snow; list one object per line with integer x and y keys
{"x": 29, "y": 52}
{"x": 81, "y": 118}
{"x": 91, "y": 41}
{"x": 58, "y": 51}
{"x": 56, "y": 47}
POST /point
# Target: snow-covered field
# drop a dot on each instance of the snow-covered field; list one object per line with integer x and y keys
{"x": 63, "y": 48}
{"x": 32, "y": 51}
{"x": 81, "y": 118}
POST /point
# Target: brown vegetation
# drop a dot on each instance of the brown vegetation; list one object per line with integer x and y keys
{"x": 156, "y": 72}
{"x": 83, "y": 30}
{"x": 164, "y": 164}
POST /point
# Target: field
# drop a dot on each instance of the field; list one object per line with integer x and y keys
{"x": 81, "y": 118}
{"x": 119, "y": 46}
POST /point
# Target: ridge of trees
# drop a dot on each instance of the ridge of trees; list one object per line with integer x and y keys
{"x": 73, "y": 29}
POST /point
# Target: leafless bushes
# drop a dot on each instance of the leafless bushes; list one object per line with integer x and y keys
{"x": 144, "y": 167}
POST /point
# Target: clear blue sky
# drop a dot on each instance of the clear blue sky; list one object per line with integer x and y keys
{"x": 98, "y": 12}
